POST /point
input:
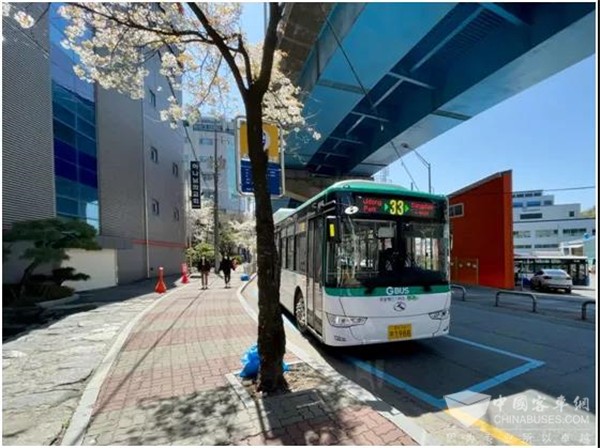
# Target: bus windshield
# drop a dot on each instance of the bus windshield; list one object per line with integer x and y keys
{"x": 388, "y": 252}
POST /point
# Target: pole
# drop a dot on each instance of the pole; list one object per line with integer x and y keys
{"x": 216, "y": 203}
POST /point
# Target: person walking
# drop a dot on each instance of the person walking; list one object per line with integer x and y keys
{"x": 204, "y": 268}
{"x": 226, "y": 266}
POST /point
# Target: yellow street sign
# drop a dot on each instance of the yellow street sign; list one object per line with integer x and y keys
{"x": 270, "y": 141}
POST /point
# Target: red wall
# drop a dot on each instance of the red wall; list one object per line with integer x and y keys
{"x": 482, "y": 241}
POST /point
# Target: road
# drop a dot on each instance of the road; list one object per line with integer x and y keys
{"x": 521, "y": 377}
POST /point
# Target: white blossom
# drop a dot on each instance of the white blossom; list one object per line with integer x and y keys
{"x": 24, "y": 19}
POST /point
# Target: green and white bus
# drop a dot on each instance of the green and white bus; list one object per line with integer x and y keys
{"x": 366, "y": 263}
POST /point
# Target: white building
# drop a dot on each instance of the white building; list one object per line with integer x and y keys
{"x": 541, "y": 225}
{"x": 206, "y": 136}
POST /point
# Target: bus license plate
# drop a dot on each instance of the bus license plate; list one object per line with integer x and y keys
{"x": 403, "y": 331}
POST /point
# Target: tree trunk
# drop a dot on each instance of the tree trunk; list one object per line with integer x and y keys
{"x": 25, "y": 279}
{"x": 271, "y": 335}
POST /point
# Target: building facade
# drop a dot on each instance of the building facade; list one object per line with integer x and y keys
{"x": 207, "y": 136}
{"x": 75, "y": 151}
{"x": 480, "y": 225}
{"x": 541, "y": 225}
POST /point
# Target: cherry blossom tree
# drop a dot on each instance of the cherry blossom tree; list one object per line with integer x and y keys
{"x": 202, "y": 51}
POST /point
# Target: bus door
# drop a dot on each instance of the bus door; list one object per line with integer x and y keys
{"x": 314, "y": 288}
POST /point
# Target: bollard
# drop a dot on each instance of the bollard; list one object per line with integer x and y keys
{"x": 184, "y": 273}
{"x": 160, "y": 285}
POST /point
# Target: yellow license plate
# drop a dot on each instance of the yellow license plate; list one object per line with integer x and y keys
{"x": 403, "y": 331}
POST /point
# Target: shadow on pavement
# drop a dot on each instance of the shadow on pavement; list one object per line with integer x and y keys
{"x": 18, "y": 321}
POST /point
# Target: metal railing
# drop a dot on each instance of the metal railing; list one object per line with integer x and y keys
{"x": 516, "y": 293}
{"x": 461, "y": 288}
{"x": 584, "y": 306}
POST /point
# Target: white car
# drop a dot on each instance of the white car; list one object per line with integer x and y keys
{"x": 552, "y": 279}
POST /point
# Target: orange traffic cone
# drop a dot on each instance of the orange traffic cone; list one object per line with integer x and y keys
{"x": 160, "y": 286}
{"x": 184, "y": 273}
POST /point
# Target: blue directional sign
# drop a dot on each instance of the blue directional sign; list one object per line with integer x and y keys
{"x": 273, "y": 175}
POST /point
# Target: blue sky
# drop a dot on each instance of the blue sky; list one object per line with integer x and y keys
{"x": 546, "y": 135}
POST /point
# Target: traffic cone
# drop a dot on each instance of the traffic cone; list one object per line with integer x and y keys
{"x": 160, "y": 286}
{"x": 184, "y": 273}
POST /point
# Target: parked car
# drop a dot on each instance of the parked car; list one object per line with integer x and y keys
{"x": 552, "y": 279}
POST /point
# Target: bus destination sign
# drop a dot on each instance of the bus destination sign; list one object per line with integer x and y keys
{"x": 396, "y": 207}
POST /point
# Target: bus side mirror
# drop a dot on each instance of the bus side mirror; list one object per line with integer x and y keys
{"x": 333, "y": 229}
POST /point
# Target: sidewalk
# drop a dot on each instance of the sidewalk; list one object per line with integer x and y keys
{"x": 172, "y": 383}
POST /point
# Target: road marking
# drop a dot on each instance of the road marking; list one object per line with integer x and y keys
{"x": 491, "y": 349}
{"x": 492, "y": 430}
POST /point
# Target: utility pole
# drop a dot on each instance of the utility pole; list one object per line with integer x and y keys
{"x": 427, "y": 164}
{"x": 216, "y": 203}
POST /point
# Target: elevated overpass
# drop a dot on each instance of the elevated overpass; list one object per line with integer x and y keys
{"x": 385, "y": 78}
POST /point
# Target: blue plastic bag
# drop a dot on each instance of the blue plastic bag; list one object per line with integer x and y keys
{"x": 251, "y": 363}
{"x": 245, "y": 277}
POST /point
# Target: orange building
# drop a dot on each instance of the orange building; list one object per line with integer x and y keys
{"x": 481, "y": 223}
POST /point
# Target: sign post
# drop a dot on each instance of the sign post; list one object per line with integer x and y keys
{"x": 272, "y": 145}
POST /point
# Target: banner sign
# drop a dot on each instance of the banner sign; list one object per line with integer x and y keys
{"x": 271, "y": 144}
{"x": 195, "y": 183}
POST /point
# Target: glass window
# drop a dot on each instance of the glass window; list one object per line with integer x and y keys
{"x": 63, "y": 114}
{"x": 88, "y": 177}
{"x": 301, "y": 252}
{"x": 456, "y": 210}
{"x": 86, "y": 110}
{"x": 531, "y": 216}
{"x": 64, "y": 151}
{"x": 85, "y": 128}
{"x": 533, "y": 203}
{"x": 290, "y": 253}
{"x": 86, "y": 145}
{"x": 571, "y": 214}
{"x": 88, "y": 194}
{"x": 206, "y": 141}
{"x": 388, "y": 253}
{"x": 86, "y": 161}
{"x": 66, "y": 206}
{"x": 517, "y": 204}
{"x": 89, "y": 210}
{"x": 65, "y": 169}
{"x": 65, "y": 187}
{"x": 64, "y": 133}
{"x": 152, "y": 98}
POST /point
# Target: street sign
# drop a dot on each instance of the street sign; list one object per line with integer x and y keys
{"x": 195, "y": 184}
{"x": 271, "y": 144}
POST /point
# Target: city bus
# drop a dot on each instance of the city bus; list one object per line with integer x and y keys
{"x": 527, "y": 264}
{"x": 366, "y": 263}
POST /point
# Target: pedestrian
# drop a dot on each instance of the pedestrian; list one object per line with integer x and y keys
{"x": 204, "y": 268}
{"x": 226, "y": 266}
{"x": 234, "y": 264}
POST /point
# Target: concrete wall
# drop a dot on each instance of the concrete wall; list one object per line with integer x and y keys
{"x": 100, "y": 265}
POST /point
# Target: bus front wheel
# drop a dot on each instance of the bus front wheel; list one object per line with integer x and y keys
{"x": 300, "y": 312}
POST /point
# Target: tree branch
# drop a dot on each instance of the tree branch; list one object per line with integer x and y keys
{"x": 137, "y": 26}
{"x": 262, "y": 83}
{"x": 219, "y": 42}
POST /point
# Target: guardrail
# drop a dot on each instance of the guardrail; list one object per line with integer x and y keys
{"x": 516, "y": 293}
{"x": 464, "y": 291}
{"x": 584, "y": 306}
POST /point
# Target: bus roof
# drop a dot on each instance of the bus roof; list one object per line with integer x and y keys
{"x": 361, "y": 186}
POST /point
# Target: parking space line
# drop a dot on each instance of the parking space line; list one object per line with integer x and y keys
{"x": 491, "y": 349}
{"x": 422, "y": 395}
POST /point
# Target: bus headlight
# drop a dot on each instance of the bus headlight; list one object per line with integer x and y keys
{"x": 345, "y": 321}
{"x": 439, "y": 315}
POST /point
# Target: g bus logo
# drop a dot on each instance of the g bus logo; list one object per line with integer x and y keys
{"x": 397, "y": 290}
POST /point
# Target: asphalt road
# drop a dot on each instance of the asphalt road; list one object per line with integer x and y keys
{"x": 521, "y": 377}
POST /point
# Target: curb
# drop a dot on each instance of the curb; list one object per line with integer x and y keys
{"x": 420, "y": 435}
{"x": 51, "y": 303}
{"x": 80, "y": 419}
